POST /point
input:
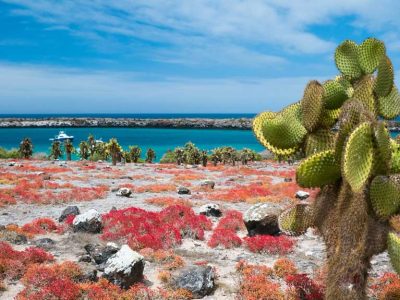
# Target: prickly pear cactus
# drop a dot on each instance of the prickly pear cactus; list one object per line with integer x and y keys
{"x": 339, "y": 127}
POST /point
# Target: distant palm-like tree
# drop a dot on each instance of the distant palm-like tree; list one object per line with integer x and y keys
{"x": 150, "y": 155}
{"x": 84, "y": 150}
{"x": 115, "y": 150}
{"x": 26, "y": 148}
{"x": 56, "y": 151}
{"x": 69, "y": 148}
{"x": 135, "y": 152}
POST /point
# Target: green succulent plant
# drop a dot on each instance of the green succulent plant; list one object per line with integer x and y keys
{"x": 114, "y": 150}
{"x": 26, "y": 148}
{"x": 339, "y": 126}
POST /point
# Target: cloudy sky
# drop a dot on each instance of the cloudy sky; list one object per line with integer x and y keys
{"x": 186, "y": 56}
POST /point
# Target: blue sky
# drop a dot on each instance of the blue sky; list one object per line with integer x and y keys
{"x": 164, "y": 56}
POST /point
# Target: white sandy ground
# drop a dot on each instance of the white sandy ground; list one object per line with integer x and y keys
{"x": 308, "y": 253}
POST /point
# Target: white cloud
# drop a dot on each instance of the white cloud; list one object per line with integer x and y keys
{"x": 41, "y": 89}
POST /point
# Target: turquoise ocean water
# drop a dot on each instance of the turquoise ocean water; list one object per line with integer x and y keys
{"x": 160, "y": 140}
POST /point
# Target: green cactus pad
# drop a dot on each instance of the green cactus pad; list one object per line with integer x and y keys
{"x": 385, "y": 196}
{"x": 296, "y": 220}
{"x": 357, "y": 160}
{"x": 334, "y": 94}
{"x": 385, "y": 78}
{"x": 346, "y": 59}
{"x": 320, "y": 140}
{"x": 363, "y": 92}
{"x": 258, "y": 132}
{"x": 329, "y": 117}
{"x": 284, "y": 131}
{"x": 393, "y": 242}
{"x": 370, "y": 53}
{"x": 352, "y": 113}
{"x": 346, "y": 85}
{"x": 389, "y": 107}
{"x": 312, "y": 105}
{"x": 382, "y": 140}
{"x": 318, "y": 170}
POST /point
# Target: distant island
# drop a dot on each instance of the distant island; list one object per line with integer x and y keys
{"x": 190, "y": 123}
{"x": 182, "y": 123}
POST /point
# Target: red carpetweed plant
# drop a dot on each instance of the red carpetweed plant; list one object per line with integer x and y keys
{"x": 386, "y": 287}
{"x": 284, "y": 267}
{"x": 167, "y": 258}
{"x": 256, "y": 284}
{"x": 304, "y": 287}
{"x": 269, "y": 244}
{"x": 168, "y": 201}
{"x": 240, "y": 193}
{"x": 232, "y": 220}
{"x": 155, "y": 188}
{"x": 50, "y": 282}
{"x": 226, "y": 238}
{"x": 156, "y": 230}
{"x": 39, "y": 226}
{"x": 13, "y": 263}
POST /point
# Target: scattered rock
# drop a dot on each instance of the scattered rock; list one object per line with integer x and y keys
{"x": 13, "y": 237}
{"x": 89, "y": 275}
{"x": 208, "y": 183}
{"x": 70, "y": 210}
{"x": 210, "y": 210}
{"x": 302, "y": 195}
{"x": 199, "y": 280}
{"x": 124, "y": 192}
{"x": 125, "y": 267}
{"x": 45, "y": 243}
{"x": 85, "y": 258}
{"x": 46, "y": 176}
{"x": 262, "y": 218}
{"x": 114, "y": 189}
{"x": 11, "y": 163}
{"x": 126, "y": 177}
{"x": 99, "y": 253}
{"x": 288, "y": 180}
{"x": 183, "y": 190}
{"x": 89, "y": 221}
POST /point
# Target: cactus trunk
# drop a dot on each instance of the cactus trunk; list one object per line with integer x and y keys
{"x": 351, "y": 236}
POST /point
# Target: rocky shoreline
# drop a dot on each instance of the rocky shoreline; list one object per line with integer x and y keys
{"x": 183, "y": 123}
{"x": 189, "y": 123}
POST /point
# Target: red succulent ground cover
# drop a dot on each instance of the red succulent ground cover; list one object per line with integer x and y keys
{"x": 304, "y": 287}
{"x": 156, "y": 230}
{"x": 224, "y": 237}
{"x": 168, "y": 201}
{"x": 13, "y": 263}
{"x": 225, "y": 233}
{"x": 269, "y": 244}
{"x": 386, "y": 287}
{"x": 64, "y": 282}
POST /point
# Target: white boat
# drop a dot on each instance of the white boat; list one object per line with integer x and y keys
{"x": 62, "y": 136}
